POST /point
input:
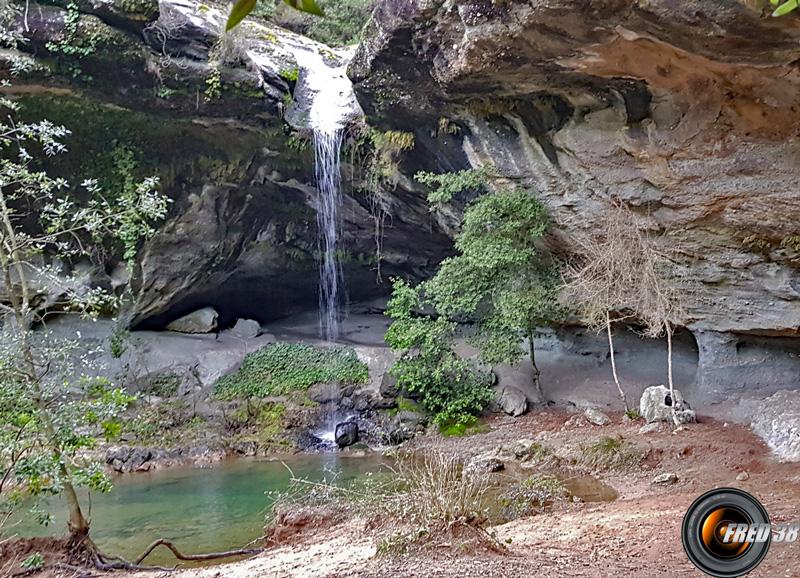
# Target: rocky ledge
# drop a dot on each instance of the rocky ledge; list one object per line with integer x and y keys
{"x": 682, "y": 110}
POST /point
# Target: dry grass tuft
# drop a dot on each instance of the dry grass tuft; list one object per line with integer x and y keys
{"x": 611, "y": 453}
{"x": 425, "y": 499}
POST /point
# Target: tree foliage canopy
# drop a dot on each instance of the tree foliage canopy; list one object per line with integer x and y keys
{"x": 501, "y": 279}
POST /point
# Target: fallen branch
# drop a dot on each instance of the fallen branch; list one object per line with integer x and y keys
{"x": 195, "y": 557}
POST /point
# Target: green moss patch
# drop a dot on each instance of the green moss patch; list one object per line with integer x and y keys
{"x": 280, "y": 368}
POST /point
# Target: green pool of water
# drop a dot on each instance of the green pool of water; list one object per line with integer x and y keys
{"x": 199, "y": 509}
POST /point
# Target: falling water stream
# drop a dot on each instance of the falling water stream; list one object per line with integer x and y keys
{"x": 327, "y": 147}
{"x": 332, "y": 104}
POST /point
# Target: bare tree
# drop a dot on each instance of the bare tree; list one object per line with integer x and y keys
{"x": 620, "y": 273}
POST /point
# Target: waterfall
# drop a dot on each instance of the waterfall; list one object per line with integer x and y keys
{"x": 327, "y": 147}
{"x": 324, "y": 101}
{"x": 325, "y": 98}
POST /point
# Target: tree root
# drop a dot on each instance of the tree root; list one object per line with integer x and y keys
{"x": 84, "y": 551}
{"x": 195, "y": 557}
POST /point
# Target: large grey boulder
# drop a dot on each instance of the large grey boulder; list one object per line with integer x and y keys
{"x": 512, "y": 401}
{"x": 245, "y": 329}
{"x": 325, "y": 392}
{"x": 656, "y": 405}
{"x": 777, "y": 421}
{"x": 404, "y": 426}
{"x": 201, "y": 321}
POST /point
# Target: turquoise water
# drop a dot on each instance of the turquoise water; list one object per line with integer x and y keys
{"x": 200, "y": 509}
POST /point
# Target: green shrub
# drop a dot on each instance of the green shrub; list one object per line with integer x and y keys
{"x": 445, "y": 186}
{"x": 343, "y": 21}
{"x": 280, "y": 368}
{"x": 633, "y": 414}
{"x": 118, "y": 342}
{"x": 459, "y": 429}
{"x": 290, "y": 74}
{"x": 451, "y": 389}
{"x": 167, "y": 424}
{"x": 265, "y": 425}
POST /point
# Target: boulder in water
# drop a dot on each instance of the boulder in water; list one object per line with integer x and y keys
{"x": 346, "y": 434}
{"x": 201, "y": 321}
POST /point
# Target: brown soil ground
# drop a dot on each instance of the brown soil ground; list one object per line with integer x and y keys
{"x": 636, "y": 535}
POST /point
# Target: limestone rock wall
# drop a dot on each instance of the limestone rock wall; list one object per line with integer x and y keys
{"x": 685, "y": 111}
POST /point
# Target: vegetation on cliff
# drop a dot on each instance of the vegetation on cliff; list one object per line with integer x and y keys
{"x": 501, "y": 281}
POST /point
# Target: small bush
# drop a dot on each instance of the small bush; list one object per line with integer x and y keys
{"x": 290, "y": 74}
{"x": 165, "y": 424}
{"x": 531, "y": 495}
{"x": 610, "y": 453}
{"x": 456, "y": 429}
{"x": 633, "y": 414}
{"x": 262, "y": 423}
{"x": 118, "y": 342}
{"x": 445, "y": 186}
{"x": 280, "y": 368}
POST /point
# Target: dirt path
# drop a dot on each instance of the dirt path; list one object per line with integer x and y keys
{"x": 636, "y": 535}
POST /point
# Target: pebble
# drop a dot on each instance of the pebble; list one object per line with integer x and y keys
{"x": 743, "y": 477}
{"x": 596, "y": 417}
{"x": 650, "y": 428}
{"x": 667, "y": 478}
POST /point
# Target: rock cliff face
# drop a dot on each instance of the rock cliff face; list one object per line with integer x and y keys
{"x": 221, "y": 120}
{"x": 685, "y": 111}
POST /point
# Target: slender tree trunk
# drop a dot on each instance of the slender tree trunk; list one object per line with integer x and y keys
{"x": 11, "y": 259}
{"x": 614, "y": 362}
{"x": 537, "y": 382}
{"x": 669, "y": 374}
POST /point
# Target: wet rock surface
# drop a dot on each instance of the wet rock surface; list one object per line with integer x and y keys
{"x": 346, "y": 434}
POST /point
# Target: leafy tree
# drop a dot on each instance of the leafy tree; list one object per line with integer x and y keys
{"x": 448, "y": 387}
{"x": 445, "y": 186}
{"x": 53, "y": 404}
{"x": 500, "y": 279}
